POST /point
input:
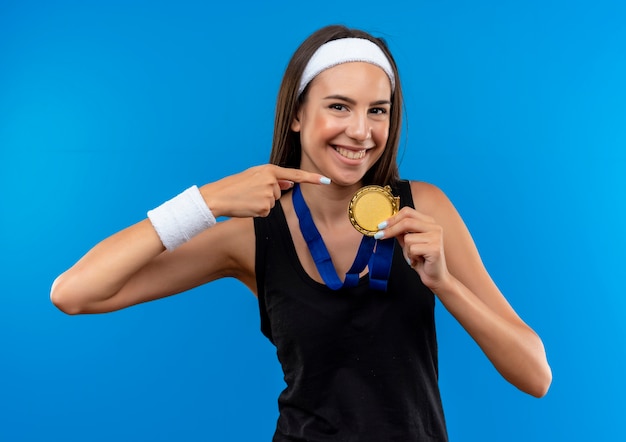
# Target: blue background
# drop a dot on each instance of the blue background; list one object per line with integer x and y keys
{"x": 517, "y": 110}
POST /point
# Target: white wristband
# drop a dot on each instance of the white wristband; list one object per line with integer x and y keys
{"x": 178, "y": 220}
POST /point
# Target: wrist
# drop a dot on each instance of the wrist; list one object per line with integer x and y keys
{"x": 444, "y": 285}
{"x": 210, "y": 195}
{"x": 178, "y": 220}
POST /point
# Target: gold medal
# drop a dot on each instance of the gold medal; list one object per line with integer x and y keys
{"x": 371, "y": 205}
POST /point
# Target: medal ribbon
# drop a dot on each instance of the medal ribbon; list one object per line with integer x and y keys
{"x": 378, "y": 260}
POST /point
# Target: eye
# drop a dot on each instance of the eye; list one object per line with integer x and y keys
{"x": 338, "y": 107}
{"x": 378, "y": 110}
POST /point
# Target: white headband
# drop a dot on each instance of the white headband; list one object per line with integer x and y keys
{"x": 345, "y": 50}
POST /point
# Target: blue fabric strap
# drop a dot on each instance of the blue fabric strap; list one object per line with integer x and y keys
{"x": 360, "y": 261}
{"x": 379, "y": 261}
{"x": 380, "y": 264}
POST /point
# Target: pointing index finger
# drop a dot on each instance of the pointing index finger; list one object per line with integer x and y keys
{"x": 300, "y": 176}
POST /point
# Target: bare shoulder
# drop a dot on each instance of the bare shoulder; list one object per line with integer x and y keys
{"x": 431, "y": 200}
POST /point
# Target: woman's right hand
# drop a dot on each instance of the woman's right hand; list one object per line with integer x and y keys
{"x": 254, "y": 191}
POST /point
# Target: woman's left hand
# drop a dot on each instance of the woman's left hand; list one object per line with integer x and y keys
{"x": 421, "y": 239}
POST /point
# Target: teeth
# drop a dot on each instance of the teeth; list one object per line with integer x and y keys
{"x": 350, "y": 154}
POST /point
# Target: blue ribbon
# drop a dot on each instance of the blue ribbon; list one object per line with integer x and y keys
{"x": 377, "y": 253}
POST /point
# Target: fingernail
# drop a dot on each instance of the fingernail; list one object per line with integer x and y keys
{"x": 324, "y": 180}
{"x": 408, "y": 261}
{"x": 379, "y": 234}
{"x": 382, "y": 225}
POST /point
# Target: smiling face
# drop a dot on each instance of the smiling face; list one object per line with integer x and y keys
{"x": 344, "y": 121}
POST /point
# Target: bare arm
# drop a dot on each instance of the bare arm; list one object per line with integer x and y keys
{"x": 132, "y": 266}
{"x": 441, "y": 250}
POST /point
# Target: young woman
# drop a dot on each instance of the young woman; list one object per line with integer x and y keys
{"x": 355, "y": 336}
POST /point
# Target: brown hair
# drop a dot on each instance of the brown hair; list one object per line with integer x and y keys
{"x": 286, "y": 148}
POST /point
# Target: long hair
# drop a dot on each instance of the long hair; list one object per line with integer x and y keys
{"x": 286, "y": 147}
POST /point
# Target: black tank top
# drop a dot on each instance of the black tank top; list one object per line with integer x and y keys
{"x": 359, "y": 364}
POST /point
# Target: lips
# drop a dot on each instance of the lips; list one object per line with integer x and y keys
{"x": 350, "y": 153}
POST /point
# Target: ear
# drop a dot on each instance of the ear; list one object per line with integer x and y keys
{"x": 295, "y": 124}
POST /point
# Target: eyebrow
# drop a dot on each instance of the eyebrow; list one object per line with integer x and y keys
{"x": 351, "y": 101}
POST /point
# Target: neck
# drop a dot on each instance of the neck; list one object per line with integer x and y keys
{"x": 328, "y": 204}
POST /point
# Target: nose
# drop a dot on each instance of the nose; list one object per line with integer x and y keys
{"x": 358, "y": 127}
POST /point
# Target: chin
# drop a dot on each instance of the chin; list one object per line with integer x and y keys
{"x": 347, "y": 180}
